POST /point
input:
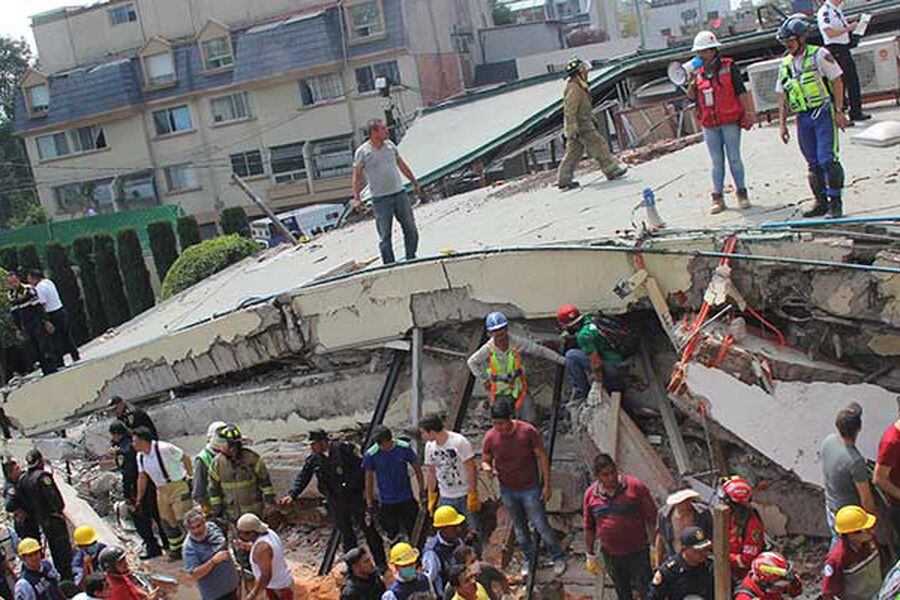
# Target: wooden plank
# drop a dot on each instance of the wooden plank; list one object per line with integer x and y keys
{"x": 673, "y": 431}
{"x": 721, "y": 564}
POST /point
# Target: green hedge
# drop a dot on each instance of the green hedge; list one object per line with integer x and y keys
{"x": 188, "y": 232}
{"x": 67, "y": 284}
{"x": 206, "y": 258}
{"x": 29, "y": 258}
{"x": 134, "y": 272}
{"x": 9, "y": 258}
{"x": 234, "y": 220}
{"x": 109, "y": 280}
{"x": 163, "y": 246}
{"x": 83, "y": 250}
{"x": 8, "y": 335}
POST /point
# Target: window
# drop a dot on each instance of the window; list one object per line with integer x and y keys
{"x": 160, "y": 68}
{"x": 53, "y": 145}
{"x": 75, "y": 198}
{"x": 137, "y": 191}
{"x": 122, "y": 14}
{"x": 321, "y": 88}
{"x": 332, "y": 157}
{"x": 366, "y": 76}
{"x": 217, "y": 53}
{"x": 172, "y": 120}
{"x": 85, "y": 139}
{"x": 247, "y": 164}
{"x": 287, "y": 163}
{"x": 232, "y": 107}
{"x": 365, "y": 20}
{"x": 181, "y": 177}
{"x": 38, "y": 98}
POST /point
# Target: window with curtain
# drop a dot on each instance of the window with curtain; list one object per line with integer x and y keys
{"x": 217, "y": 53}
{"x": 160, "y": 68}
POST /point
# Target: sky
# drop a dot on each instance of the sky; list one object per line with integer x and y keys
{"x": 14, "y": 19}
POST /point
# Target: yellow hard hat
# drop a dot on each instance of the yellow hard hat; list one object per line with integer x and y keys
{"x": 403, "y": 555}
{"x": 29, "y": 546}
{"x": 85, "y": 535}
{"x": 446, "y": 516}
{"x": 851, "y": 519}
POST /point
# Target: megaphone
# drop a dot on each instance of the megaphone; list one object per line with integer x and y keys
{"x": 677, "y": 73}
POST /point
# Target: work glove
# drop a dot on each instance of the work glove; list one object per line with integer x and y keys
{"x": 473, "y": 503}
{"x": 432, "y": 501}
{"x": 590, "y": 564}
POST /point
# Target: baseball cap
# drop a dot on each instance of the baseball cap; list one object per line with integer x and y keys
{"x": 251, "y": 523}
{"x": 680, "y": 496}
{"x": 695, "y": 539}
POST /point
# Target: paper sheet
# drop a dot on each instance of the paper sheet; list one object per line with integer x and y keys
{"x": 862, "y": 25}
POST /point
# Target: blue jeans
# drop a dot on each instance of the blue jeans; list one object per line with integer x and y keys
{"x": 818, "y": 139}
{"x": 385, "y": 209}
{"x": 578, "y": 371}
{"x": 721, "y": 142}
{"x": 525, "y": 507}
{"x": 471, "y": 518}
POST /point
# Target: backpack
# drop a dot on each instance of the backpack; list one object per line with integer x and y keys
{"x": 615, "y": 332}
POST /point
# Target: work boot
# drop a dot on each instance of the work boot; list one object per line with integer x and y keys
{"x": 743, "y": 199}
{"x": 718, "y": 203}
{"x": 835, "y": 208}
{"x": 860, "y": 117}
{"x": 568, "y": 186}
{"x": 617, "y": 172}
{"x": 819, "y": 209}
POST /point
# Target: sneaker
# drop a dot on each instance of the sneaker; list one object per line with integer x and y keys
{"x": 559, "y": 566}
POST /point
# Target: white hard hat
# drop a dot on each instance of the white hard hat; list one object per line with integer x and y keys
{"x": 705, "y": 40}
{"x": 213, "y": 428}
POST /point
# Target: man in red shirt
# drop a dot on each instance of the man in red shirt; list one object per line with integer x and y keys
{"x": 619, "y": 510}
{"x": 746, "y": 533}
{"x": 514, "y": 452}
{"x": 771, "y": 577}
{"x": 853, "y": 565}
{"x": 887, "y": 472}
{"x": 118, "y": 577}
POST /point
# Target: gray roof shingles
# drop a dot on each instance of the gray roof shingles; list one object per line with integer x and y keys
{"x": 301, "y": 43}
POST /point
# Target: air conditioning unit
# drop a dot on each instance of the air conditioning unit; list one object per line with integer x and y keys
{"x": 877, "y": 65}
{"x": 763, "y": 76}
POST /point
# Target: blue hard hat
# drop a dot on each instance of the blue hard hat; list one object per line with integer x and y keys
{"x": 792, "y": 27}
{"x": 495, "y": 321}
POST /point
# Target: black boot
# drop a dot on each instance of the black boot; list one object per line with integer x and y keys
{"x": 835, "y": 208}
{"x": 819, "y": 209}
{"x": 816, "y": 178}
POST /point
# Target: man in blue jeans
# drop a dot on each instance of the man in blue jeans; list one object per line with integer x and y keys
{"x": 513, "y": 451}
{"x": 379, "y": 164}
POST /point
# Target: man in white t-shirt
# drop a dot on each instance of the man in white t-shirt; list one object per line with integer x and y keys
{"x": 451, "y": 475}
{"x": 837, "y": 35}
{"x": 169, "y": 468}
{"x": 48, "y": 296}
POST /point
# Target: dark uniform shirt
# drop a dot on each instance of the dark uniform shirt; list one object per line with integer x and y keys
{"x": 339, "y": 474}
{"x": 676, "y": 580}
{"x": 126, "y": 461}
{"x": 27, "y": 311}
{"x": 362, "y": 589}
{"x": 135, "y": 417}
{"x": 13, "y": 502}
{"x": 37, "y": 488}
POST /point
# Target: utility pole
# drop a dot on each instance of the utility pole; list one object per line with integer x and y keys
{"x": 640, "y": 24}
{"x": 266, "y": 210}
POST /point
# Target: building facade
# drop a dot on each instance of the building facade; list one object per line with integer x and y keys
{"x": 144, "y": 102}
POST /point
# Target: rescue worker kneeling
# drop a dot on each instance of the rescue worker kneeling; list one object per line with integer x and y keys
{"x": 239, "y": 481}
{"x": 771, "y": 577}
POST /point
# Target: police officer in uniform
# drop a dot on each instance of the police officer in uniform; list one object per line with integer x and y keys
{"x": 42, "y": 496}
{"x": 23, "y": 516}
{"x": 131, "y": 416}
{"x": 340, "y": 478}
{"x": 688, "y": 573}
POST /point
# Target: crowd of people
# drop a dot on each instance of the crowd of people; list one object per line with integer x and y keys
{"x": 40, "y": 321}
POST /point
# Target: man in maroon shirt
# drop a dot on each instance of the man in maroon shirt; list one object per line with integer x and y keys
{"x": 513, "y": 451}
{"x": 619, "y": 510}
{"x": 887, "y": 472}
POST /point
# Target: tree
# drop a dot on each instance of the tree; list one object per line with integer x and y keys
{"x": 29, "y": 257}
{"x": 83, "y": 249}
{"x": 204, "y": 259}
{"x": 134, "y": 272}
{"x": 67, "y": 284}
{"x": 188, "y": 232}
{"x": 9, "y": 258}
{"x": 234, "y": 220}
{"x": 163, "y": 245}
{"x": 109, "y": 280}
{"x": 18, "y": 196}
{"x": 501, "y": 14}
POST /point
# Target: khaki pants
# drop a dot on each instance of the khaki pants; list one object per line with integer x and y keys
{"x": 174, "y": 500}
{"x": 597, "y": 148}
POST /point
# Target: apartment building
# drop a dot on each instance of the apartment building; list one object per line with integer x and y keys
{"x": 145, "y": 102}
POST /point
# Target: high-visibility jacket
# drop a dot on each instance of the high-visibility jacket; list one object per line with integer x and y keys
{"x": 239, "y": 485}
{"x": 808, "y": 90}
{"x": 717, "y": 102}
{"x": 509, "y": 379}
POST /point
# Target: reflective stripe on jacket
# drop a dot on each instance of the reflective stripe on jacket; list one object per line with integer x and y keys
{"x": 509, "y": 379}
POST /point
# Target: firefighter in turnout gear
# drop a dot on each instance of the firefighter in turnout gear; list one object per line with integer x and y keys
{"x": 811, "y": 86}
{"x": 239, "y": 481}
{"x": 40, "y": 494}
{"x": 582, "y": 132}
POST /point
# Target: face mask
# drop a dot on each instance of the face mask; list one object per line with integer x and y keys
{"x": 93, "y": 548}
{"x": 408, "y": 573}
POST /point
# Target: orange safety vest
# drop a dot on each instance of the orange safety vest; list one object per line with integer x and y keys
{"x": 508, "y": 380}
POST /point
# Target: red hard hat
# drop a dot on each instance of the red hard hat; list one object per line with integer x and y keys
{"x": 568, "y": 315}
{"x": 771, "y": 567}
{"x": 738, "y": 490}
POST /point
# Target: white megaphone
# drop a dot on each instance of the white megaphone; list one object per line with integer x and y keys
{"x": 680, "y": 73}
